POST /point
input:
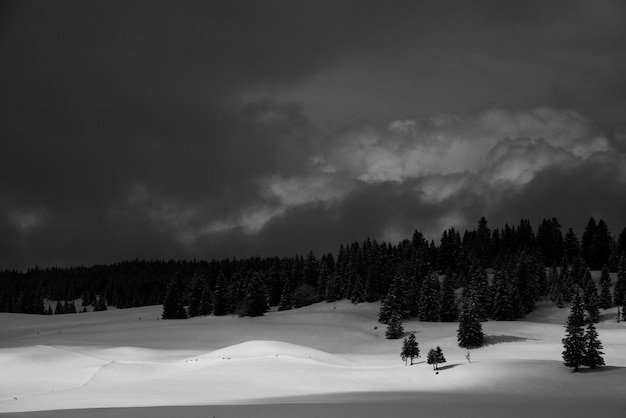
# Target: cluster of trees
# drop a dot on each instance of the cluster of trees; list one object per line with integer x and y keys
{"x": 414, "y": 278}
{"x": 581, "y": 347}
{"x": 411, "y": 351}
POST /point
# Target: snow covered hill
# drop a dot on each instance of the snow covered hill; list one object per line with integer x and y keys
{"x": 322, "y": 354}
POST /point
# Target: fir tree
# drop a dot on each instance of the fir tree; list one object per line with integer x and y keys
{"x": 395, "y": 301}
{"x": 590, "y": 300}
{"x": 58, "y": 310}
{"x": 410, "y": 349}
{"x": 605, "y": 301}
{"x": 395, "y": 329}
{"x": 256, "y": 300}
{"x": 206, "y": 301}
{"x": 448, "y": 310}
{"x": 571, "y": 247}
{"x": 173, "y": 302}
{"x": 502, "y": 307}
{"x": 435, "y": 357}
{"x": 470, "y": 331}
{"x": 286, "y": 297}
{"x": 593, "y": 348}
{"x": 220, "y": 297}
{"x": 574, "y": 352}
{"x": 620, "y": 285}
{"x": 429, "y": 299}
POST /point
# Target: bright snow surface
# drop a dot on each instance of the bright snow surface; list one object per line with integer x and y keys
{"x": 325, "y": 354}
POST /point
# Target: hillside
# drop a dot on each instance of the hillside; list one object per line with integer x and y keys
{"x": 325, "y": 353}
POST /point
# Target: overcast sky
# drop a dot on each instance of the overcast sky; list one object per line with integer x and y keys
{"x": 236, "y": 128}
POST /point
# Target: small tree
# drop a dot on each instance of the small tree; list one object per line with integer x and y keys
{"x": 395, "y": 329}
{"x": 593, "y": 347}
{"x": 574, "y": 341}
{"x": 435, "y": 357}
{"x": 410, "y": 349}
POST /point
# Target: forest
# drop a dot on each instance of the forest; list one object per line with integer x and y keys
{"x": 504, "y": 270}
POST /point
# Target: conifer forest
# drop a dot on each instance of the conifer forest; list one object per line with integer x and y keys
{"x": 495, "y": 274}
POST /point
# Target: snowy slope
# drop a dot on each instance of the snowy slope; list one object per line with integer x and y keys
{"x": 322, "y": 353}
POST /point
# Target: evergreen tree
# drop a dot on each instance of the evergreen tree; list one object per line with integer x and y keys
{"x": 593, "y": 348}
{"x": 590, "y": 300}
{"x": 503, "y": 308}
{"x": 206, "y": 301}
{"x": 587, "y": 239}
{"x": 574, "y": 341}
{"x": 100, "y": 304}
{"x": 410, "y": 349}
{"x": 605, "y": 289}
{"x": 435, "y": 357}
{"x": 550, "y": 242}
{"x": 571, "y": 247}
{"x": 395, "y": 329}
{"x": 173, "y": 302}
{"x": 220, "y": 296}
{"x": 286, "y": 297}
{"x": 448, "y": 310}
{"x": 58, "y": 310}
{"x": 195, "y": 294}
{"x": 601, "y": 246}
{"x": 395, "y": 301}
{"x": 470, "y": 331}
{"x": 429, "y": 299}
{"x": 620, "y": 285}
{"x": 256, "y": 300}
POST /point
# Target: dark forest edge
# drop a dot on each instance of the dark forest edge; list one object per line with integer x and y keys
{"x": 414, "y": 278}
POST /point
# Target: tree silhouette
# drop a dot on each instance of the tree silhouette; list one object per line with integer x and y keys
{"x": 574, "y": 353}
{"x": 410, "y": 349}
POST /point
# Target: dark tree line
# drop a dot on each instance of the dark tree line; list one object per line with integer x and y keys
{"x": 502, "y": 271}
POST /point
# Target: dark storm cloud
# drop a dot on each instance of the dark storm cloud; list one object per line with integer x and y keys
{"x": 201, "y": 129}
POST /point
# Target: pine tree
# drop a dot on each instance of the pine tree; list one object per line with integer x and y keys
{"x": 395, "y": 329}
{"x": 605, "y": 301}
{"x": 429, "y": 299}
{"x": 470, "y": 331}
{"x": 571, "y": 247}
{"x": 206, "y": 301}
{"x": 286, "y": 297}
{"x": 593, "y": 347}
{"x": 448, "y": 310}
{"x": 256, "y": 300}
{"x": 574, "y": 341}
{"x": 410, "y": 349}
{"x": 620, "y": 285}
{"x": 435, "y": 357}
{"x": 195, "y": 294}
{"x": 58, "y": 310}
{"x": 587, "y": 239}
{"x": 590, "y": 300}
{"x": 395, "y": 302}
{"x": 440, "y": 357}
{"x": 220, "y": 297}
{"x": 173, "y": 302}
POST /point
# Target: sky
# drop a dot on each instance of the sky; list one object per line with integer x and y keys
{"x": 201, "y": 130}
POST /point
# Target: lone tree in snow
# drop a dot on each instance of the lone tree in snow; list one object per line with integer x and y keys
{"x": 435, "y": 357}
{"x": 410, "y": 349}
{"x": 470, "y": 332}
{"x": 395, "y": 329}
{"x": 574, "y": 341}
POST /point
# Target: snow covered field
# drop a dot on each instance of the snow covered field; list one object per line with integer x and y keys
{"x": 323, "y": 360}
